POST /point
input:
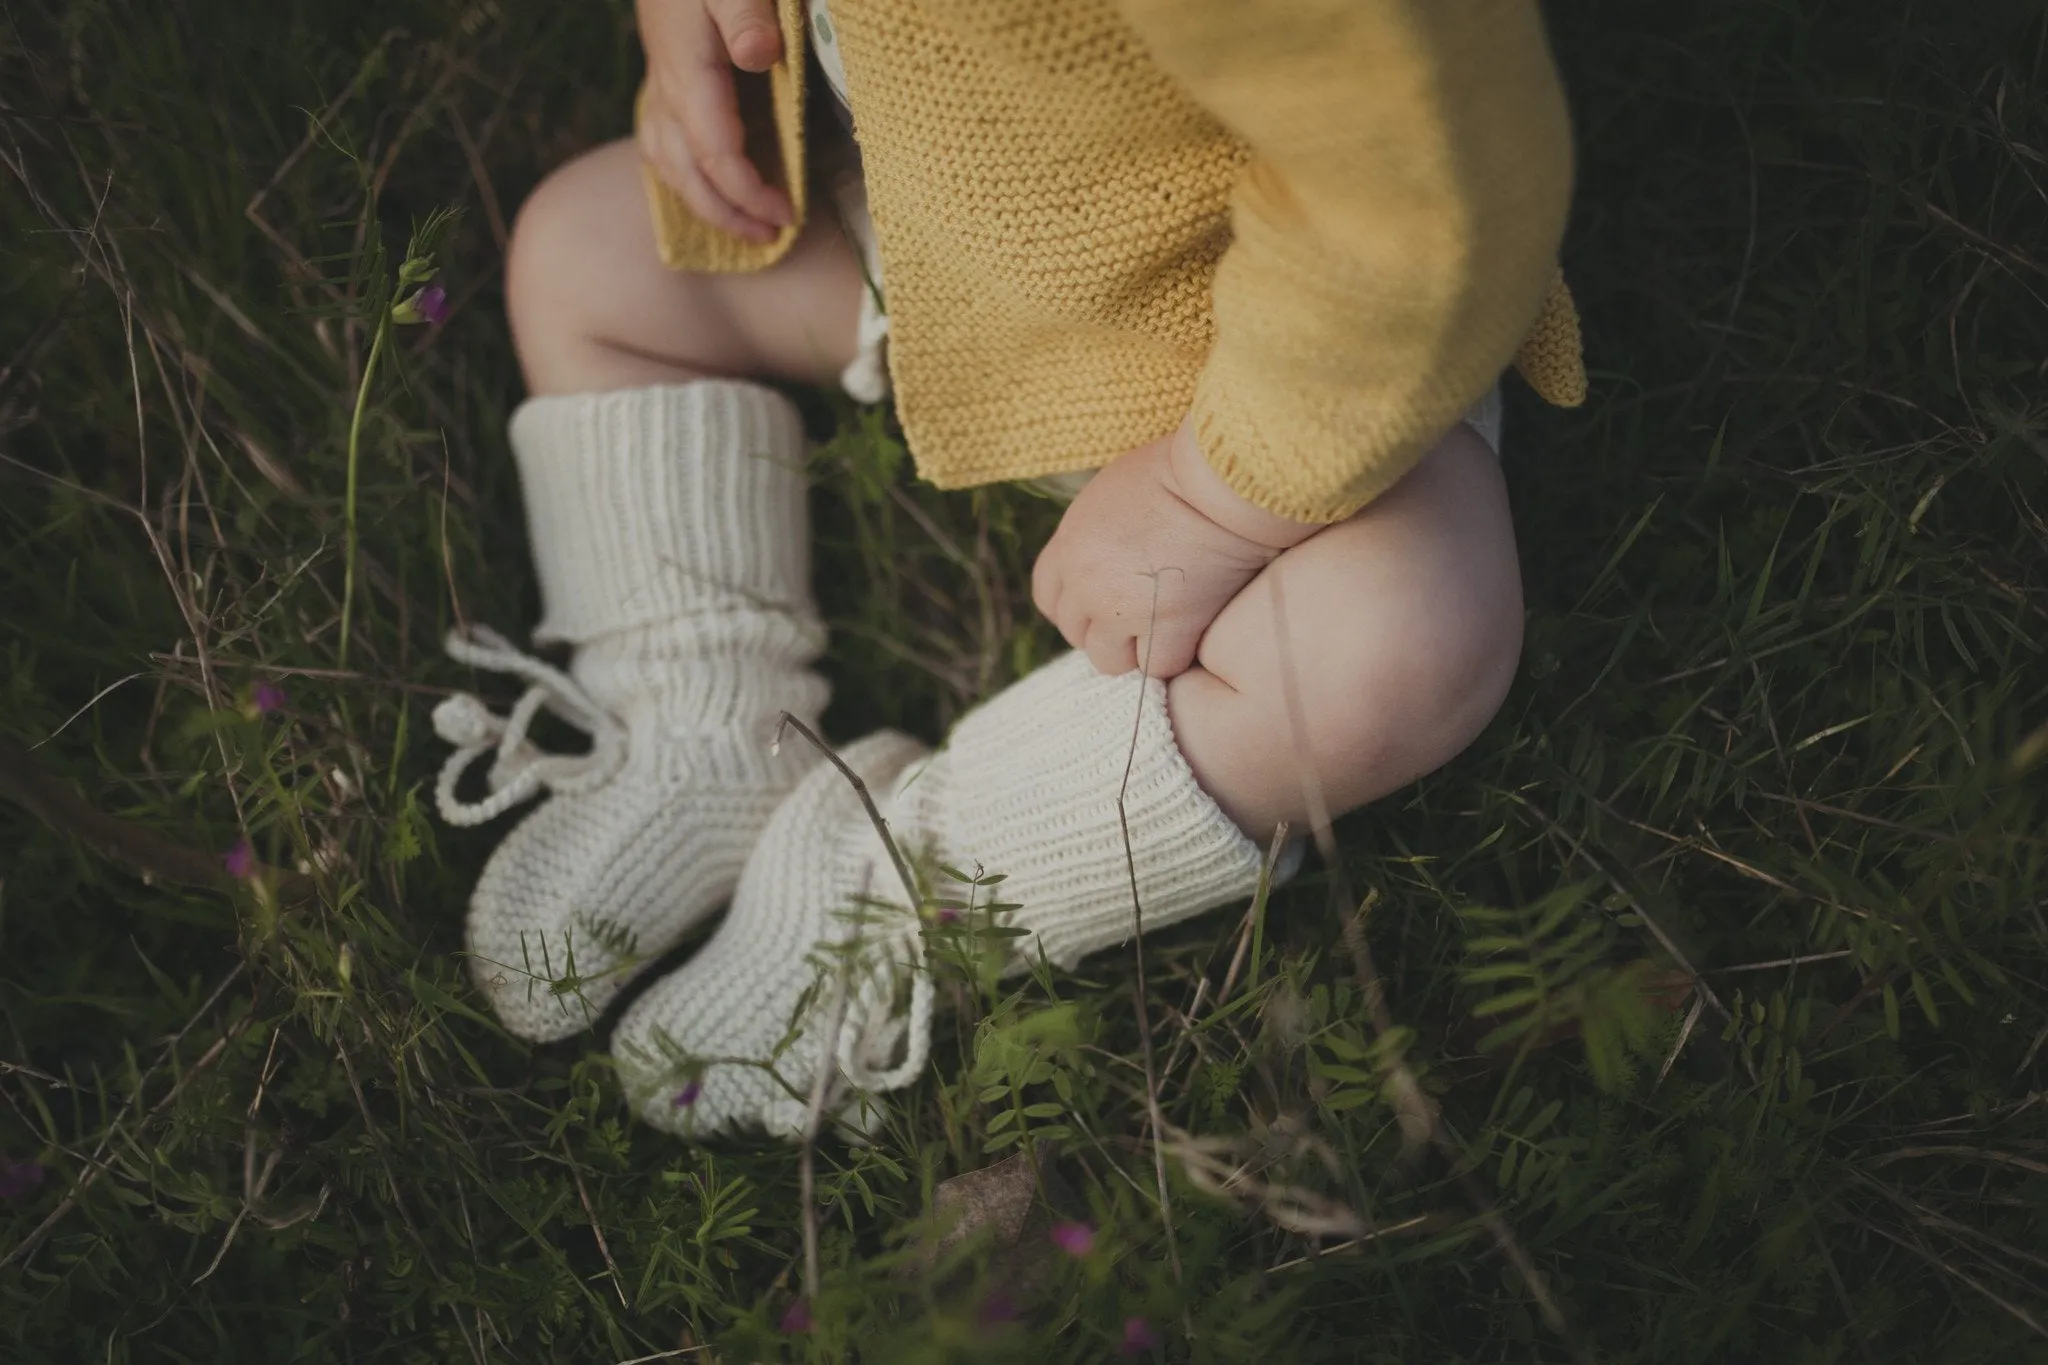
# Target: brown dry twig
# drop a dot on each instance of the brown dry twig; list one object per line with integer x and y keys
{"x": 1138, "y": 991}
{"x": 1222, "y": 1167}
{"x": 1420, "y": 1119}
{"x": 95, "y": 1167}
{"x": 821, "y": 1082}
{"x": 596, "y": 1229}
{"x": 151, "y": 856}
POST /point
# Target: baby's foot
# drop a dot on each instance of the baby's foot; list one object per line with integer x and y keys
{"x": 643, "y": 838}
{"x": 733, "y": 1038}
{"x": 669, "y": 535}
{"x": 1027, "y": 787}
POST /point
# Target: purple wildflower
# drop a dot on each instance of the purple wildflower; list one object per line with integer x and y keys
{"x": 796, "y": 1318}
{"x": 1139, "y": 1338}
{"x": 429, "y": 305}
{"x": 997, "y": 1309}
{"x": 240, "y": 860}
{"x": 690, "y": 1093}
{"x": 432, "y": 303}
{"x": 1076, "y": 1239}
{"x": 268, "y": 698}
{"x": 19, "y": 1179}
{"x": 947, "y": 915}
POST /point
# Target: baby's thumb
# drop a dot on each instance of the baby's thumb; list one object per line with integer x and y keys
{"x": 752, "y": 38}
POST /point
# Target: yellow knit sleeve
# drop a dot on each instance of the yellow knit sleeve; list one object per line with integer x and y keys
{"x": 1394, "y": 232}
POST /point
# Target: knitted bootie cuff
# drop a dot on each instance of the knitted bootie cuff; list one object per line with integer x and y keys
{"x": 648, "y": 504}
{"x": 1035, "y": 779}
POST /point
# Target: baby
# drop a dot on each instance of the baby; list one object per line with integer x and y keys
{"x": 1254, "y": 266}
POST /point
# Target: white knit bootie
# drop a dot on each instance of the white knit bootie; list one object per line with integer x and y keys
{"x": 822, "y": 947}
{"x": 671, "y": 541}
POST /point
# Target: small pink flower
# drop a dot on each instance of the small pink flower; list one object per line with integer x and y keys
{"x": 1139, "y": 1338}
{"x": 1076, "y": 1239}
{"x": 428, "y": 305}
{"x": 433, "y": 304}
{"x": 947, "y": 915}
{"x": 691, "y": 1092}
{"x": 240, "y": 860}
{"x": 796, "y": 1318}
{"x": 268, "y": 697}
{"x": 19, "y": 1179}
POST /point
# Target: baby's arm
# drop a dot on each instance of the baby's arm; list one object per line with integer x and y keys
{"x": 1393, "y": 237}
{"x": 1394, "y": 233}
{"x": 690, "y": 129}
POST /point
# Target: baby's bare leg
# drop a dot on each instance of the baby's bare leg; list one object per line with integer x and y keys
{"x": 1403, "y": 629}
{"x": 593, "y": 309}
{"x": 665, "y": 499}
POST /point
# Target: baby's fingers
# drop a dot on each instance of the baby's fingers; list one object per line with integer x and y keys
{"x": 1167, "y": 651}
{"x": 753, "y": 40}
{"x": 662, "y": 147}
{"x": 1111, "y": 649}
{"x": 662, "y": 144}
{"x": 709, "y": 109}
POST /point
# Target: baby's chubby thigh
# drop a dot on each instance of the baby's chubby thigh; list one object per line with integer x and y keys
{"x": 1398, "y": 632}
{"x": 593, "y": 308}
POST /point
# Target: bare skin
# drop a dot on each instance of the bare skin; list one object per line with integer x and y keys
{"x": 1311, "y": 668}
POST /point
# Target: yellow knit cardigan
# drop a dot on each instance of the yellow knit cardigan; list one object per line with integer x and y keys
{"x": 1321, "y": 227}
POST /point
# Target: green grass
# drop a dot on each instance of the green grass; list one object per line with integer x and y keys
{"x": 1785, "y": 697}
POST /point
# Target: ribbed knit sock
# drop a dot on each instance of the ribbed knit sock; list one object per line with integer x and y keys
{"x": 1026, "y": 787}
{"x": 671, "y": 541}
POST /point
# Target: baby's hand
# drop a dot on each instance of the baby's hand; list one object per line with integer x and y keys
{"x": 690, "y": 129}
{"x": 1157, "y": 515}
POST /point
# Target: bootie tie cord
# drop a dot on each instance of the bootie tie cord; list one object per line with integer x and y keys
{"x": 519, "y": 769}
{"x": 874, "y": 1025}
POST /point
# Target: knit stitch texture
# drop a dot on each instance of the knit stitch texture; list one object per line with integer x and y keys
{"x": 1321, "y": 229}
{"x": 669, "y": 531}
{"x": 1027, "y": 787}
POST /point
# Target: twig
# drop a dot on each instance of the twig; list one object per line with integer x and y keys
{"x": 1152, "y": 1115}
{"x": 318, "y": 125}
{"x": 1373, "y": 1236}
{"x": 2010, "y": 255}
{"x": 814, "y": 1119}
{"x": 1418, "y": 1115}
{"x": 1924, "y": 1254}
{"x": 96, "y": 1167}
{"x": 377, "y": 1140}
{"x": 1962, "y": 1232}
{"x": 150, "y": 855}
{"x": 1837, "y": 955}
{"x": 828, "y": 1045}
{"x": 254, "y": 1183}
{"x": 1635, "y": 904}
{"x": 17, "y": 1069}
{"x": 1214, "y": 1166}
{"x": 1252, "y": 913}
{"x": 867, "y": 800}
{"x": 494, "y": 214}
{"x": 2033, "y": 1050}
{"x": 596, "y": 1228}
{"x": 94, "y": 701}
{"x": 1983, "y": 1153}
